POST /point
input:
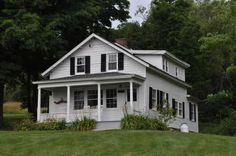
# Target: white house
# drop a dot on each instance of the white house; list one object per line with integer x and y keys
{"x": 99, "y": 79}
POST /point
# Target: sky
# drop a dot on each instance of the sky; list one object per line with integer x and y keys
{"x": 134, "y": 4}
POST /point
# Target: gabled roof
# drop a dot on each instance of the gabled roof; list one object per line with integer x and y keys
{"x": 45, "y": 73}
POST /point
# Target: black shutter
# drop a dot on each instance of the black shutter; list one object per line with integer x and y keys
{"x": 173, "y": 107}
{"x": 120, "y": 61}
{"x": 72, "y": 66}
{"x": 183, "y": 110}
{"x": 103, "y": 63}
{"x": 190, "y": 113}
{"x": 150, "y": 97}
{"x": 158, "y": 99}
{"x": 161, "y": 99}
{"x": 195, "y": 114}
{"x": 87, "y": 64}
{"x": 167, "y": 100}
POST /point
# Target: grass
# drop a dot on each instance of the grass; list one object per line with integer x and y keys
{"x": 127, "y": 143}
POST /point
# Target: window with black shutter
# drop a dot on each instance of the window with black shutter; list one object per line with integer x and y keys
{"x": 174, "y": 107}
{"x": 183, "y": 109}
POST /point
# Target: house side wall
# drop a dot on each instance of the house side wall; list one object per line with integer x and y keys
{"x": 94, "y": 48}
{"x": 175, "y": 91}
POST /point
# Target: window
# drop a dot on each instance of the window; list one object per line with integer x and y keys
{"x": 93, "y": 98}
{"x": 78, "y": 100}
{"x": 176, "y": 71}
{"x": 180, "y": 109}
{"x": 154, "y": 98}
{"x": 80, "y": 65}
{"x": 134, "y": 95}
{"x": 112, "y": 61}
{"x": 111, "y": 98}
{"x": 165, "y": 64}
{"x": 192, "y": 112}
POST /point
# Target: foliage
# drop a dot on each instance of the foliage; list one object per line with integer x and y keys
{"x": 136, "y": 122}
{"x": 85, "y": 124}
{"x": 228, "y": 125}
{"x": 217, "y": 106}
{"x": 29, "y": 125}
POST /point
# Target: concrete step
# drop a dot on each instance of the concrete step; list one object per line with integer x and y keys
{"x": 107, "y": 125}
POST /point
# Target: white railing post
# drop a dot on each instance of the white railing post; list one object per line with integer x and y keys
{"x": 131, "y": 97}
{"x": 68, "y": 105}
{"x": 99, "y": 102}
{"x": 39, "y": 104}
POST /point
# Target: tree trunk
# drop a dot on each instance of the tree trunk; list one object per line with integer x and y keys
{"x": 34, "y": 96}
{"x": 1, "y": 103}
{"x": 28, "y": 85}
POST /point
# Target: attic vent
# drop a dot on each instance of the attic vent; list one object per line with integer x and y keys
{"x": 122, "y": 41}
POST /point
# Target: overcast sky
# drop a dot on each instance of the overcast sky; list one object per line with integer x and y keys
{"x": 133, "y": 8}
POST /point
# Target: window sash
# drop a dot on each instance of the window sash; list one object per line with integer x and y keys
{"x": 192, "y": 111}
{"x": 80, "y": 64}
{"x": 112, "y": 61}
{"x": 111, "y": 98}
{"x": 78, "y": 100}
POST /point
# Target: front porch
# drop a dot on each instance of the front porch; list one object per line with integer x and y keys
{"x": 100, "y": 100}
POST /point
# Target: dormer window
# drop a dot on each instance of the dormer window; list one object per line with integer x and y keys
{"x": 112, "y": 61}
{"x": 80, "y": 65}
{"x": 165, "y": 64}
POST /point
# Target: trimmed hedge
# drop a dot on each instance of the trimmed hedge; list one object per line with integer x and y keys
{"x": 136, "y": 122}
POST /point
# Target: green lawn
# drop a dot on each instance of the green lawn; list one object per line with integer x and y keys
{"x": 128, "y": 143}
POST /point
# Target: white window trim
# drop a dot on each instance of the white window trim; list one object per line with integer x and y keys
{"x": 154, "y": 98}
{"x": 165, "y": 64}
{"x": 107, "y": 62}
{"x": 76, "y": 65}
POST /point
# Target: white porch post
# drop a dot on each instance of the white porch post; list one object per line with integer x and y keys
{"x": 131, "y": 97}
{"x": 39, "y": 104}
{"x": 99, "y": 102}
{"x": 68, "y": 105}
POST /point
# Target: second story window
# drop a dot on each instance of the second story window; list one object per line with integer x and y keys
{"x": 80, "y": 65}
{"x": 112, "y": 61}
{"x": 165, "y": 64}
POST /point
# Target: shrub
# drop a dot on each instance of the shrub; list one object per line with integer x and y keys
{"x": 85, "y": 124}
{"x": 24, "y": 125}
{"x": 136, "y": 122}
{"x": 228, "y": 125}
{"x": 50, "y": 124}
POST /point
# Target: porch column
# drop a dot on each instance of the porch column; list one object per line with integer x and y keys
{"x": 39, "y": 104}
{"x": 131, "y": 97}
{"x": 68, "y": 105}
{"x": 99, "y": 102}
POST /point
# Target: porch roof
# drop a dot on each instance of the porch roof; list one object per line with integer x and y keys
{"x": 92, "y": 77}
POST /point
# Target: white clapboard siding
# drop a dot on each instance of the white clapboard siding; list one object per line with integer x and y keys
{"x": 94, "y": 49}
